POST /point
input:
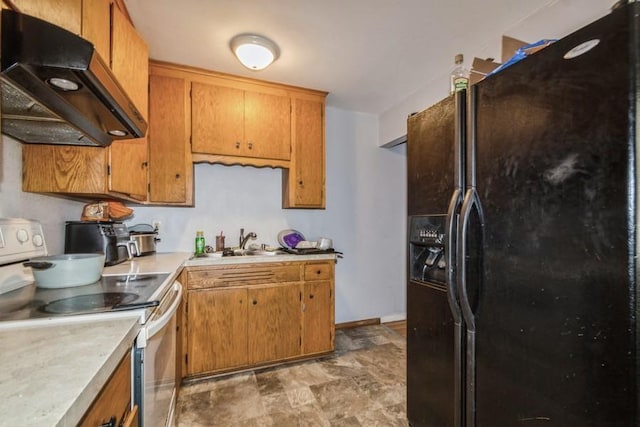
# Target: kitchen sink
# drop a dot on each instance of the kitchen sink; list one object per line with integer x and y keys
{"x": 242, "y": 252}
{"x": 257, "y": 252}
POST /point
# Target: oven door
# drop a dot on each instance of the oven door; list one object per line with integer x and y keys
{"x": 155, "y": 363}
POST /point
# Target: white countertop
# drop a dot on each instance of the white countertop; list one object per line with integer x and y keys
{"x": 50, "y": 375}
{"x": 169, "y": 262}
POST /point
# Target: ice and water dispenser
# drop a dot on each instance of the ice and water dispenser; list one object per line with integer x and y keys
{"x": 427, "y": 255}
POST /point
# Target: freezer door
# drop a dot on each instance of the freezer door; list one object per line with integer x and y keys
{"x": 431, "y": 163}
{"x": 555, "y": 310}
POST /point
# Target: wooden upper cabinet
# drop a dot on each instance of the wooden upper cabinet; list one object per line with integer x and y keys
{"x": 63, "y": 13}
{"x": 130, "y": 60}
{"x": 304, "y": 181}
{"x": 170, "y": 167}
{"x": 96, "y": 26}
{"x": 217, "y": 119}
{"x": 231, "y": 121}
{"x": 128, "y": 162}
{"x": 130, "y": 65}
{"x": 64, "y": 169}
{"x": 267, "y": 125}
{"x": 120, "y": 170}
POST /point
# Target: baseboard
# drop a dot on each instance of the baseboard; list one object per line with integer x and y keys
{"x": 356, "y": 323}
{"x": 393, "y": 318}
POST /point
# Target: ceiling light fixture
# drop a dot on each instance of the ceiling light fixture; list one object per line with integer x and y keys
{"x": 253, "y": 51}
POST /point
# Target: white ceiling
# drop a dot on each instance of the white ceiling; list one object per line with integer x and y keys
{"x": 368, "y": 54}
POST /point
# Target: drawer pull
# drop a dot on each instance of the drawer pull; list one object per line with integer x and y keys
{"x": 310, "y": 296}
{"x": 319, "y": 272}
{"x": 111, "y": 423}
{"x": 255, "y": 302}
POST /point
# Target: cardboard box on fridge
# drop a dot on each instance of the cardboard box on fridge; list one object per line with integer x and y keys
{"x": 481, "y": 67}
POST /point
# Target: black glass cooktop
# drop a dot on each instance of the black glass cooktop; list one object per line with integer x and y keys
{"x": 109, "y": 293}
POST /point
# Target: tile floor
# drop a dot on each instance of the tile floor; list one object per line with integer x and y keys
{"x": 361, "y": 384}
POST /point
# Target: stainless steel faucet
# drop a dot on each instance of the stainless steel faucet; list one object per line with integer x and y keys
{"x": 243, "y": 239}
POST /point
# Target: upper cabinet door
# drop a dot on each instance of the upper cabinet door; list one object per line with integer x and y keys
{"x": 170, "y": 168}
{"x": 96, "y": 26}
{"x": 130, "y": 65}
{"x": 267, "y": 126}
{"x": 217, "y": 119}
{"x": 130, "y": 60}
{"x": 63, "y": 13}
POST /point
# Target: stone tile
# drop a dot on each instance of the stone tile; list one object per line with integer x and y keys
{"x": 300, "y": 397}
{"x": 269, "y": 382}
{"x": 346, "y": 422}
{"x": 341, "y": 366}
{"x": 361, "y": 384}
{"x": 276, "y": 402}
{"x": 342, "y": 398}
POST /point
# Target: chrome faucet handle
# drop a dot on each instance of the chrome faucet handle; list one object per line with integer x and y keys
{"x": 241, "y": 238}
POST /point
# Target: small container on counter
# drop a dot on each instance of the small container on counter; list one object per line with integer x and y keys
{"x": 220, "y": 242}
{"x": 200, "y": 242}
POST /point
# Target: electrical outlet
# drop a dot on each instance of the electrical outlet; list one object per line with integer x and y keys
{"x": 157, "y": 224}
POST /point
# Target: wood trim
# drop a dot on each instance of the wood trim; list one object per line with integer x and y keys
{"x": 242, "y": 161}
{"x": 11, "y": 5}
{"x": 357, "y": 323}
{"x": 231, "y": 77}
{"x": 123, "y": 8}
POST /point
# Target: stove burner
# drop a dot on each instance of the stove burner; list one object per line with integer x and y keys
{"x": 88, "y": 303}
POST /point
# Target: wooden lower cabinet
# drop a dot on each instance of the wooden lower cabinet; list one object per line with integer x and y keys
{"x": 246, "y": 315}
{"x": 317, "y": 338}
{"x": 274, "y": 315}
{"x": 217, "y": 330}
{"x": 113, "y": 403}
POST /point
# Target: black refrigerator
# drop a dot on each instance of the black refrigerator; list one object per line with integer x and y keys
{"x": 522, "y": 298}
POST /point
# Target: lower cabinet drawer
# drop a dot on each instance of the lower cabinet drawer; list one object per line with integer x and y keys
{"x": 245, "y": 274}
{"x": 113, "y": 404}
{"x": 318, "y": 271}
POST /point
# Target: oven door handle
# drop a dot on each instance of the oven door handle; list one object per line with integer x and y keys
{"x": 156, "y": 325}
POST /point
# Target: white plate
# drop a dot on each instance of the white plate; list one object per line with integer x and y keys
{"x": 290, "y": 238}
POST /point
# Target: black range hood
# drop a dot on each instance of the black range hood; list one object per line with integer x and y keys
{"x": 57, "y": 90}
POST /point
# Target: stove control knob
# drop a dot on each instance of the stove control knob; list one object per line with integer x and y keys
{"x": 37, "y": 240}
{"x": 22, "y": 235}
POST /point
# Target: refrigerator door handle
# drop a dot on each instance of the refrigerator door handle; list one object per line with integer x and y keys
{"x": 454, "y": 304}
{"x": 471, "y": 200}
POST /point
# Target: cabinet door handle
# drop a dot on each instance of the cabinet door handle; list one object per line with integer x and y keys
{"x": 237, "y": 144}
{"x": 177, "y": 176}
{"x": 310, "y": 296}
{"x": 111, "y": 423}
{"x": 250, "y": 145}
{"x": 255, "y": 302}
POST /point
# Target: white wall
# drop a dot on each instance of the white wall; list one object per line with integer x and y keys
{"x": 365, "y": 214}
{"x": 555, "y": 19}
{"x": 50, "y": 211}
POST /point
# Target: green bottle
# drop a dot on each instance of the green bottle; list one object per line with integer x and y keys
{"x": 199, "y": 242}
